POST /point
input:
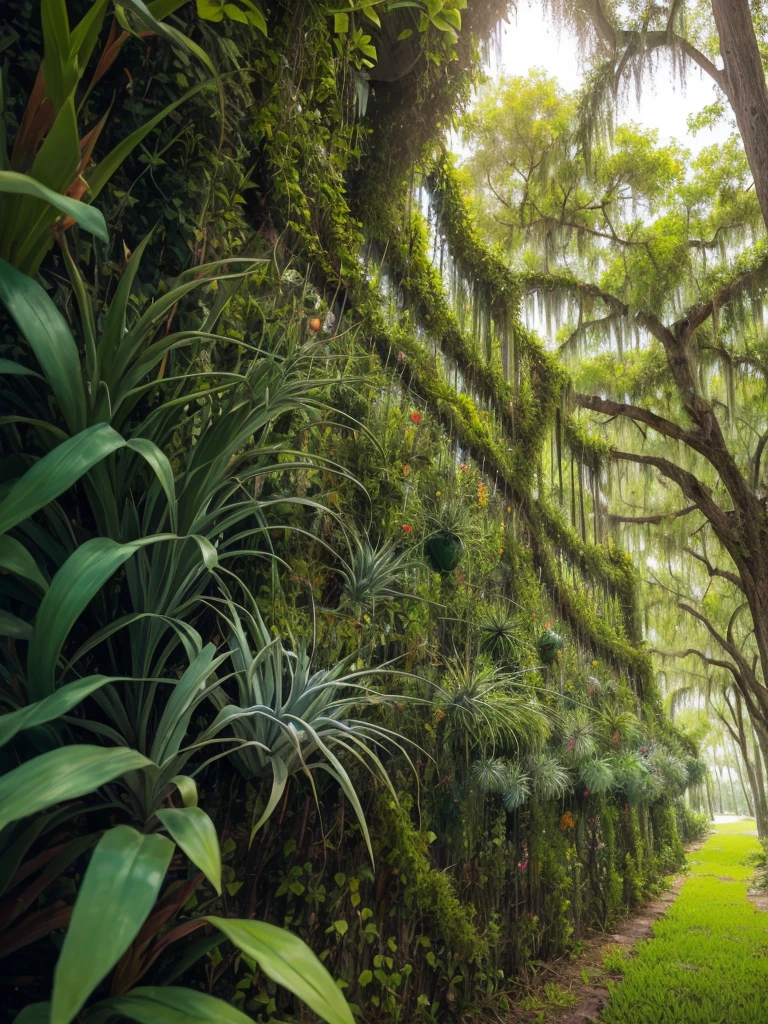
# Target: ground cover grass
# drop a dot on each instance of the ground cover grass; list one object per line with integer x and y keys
{"x": 708, "y": 960}
{"x": 743, "y": 825}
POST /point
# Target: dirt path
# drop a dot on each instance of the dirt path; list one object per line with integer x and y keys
{"x": 583, "y": 977}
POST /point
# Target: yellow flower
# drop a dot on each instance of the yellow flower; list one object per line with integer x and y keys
{"x": 567, "y": 821}
{"x": 482, "y": 495}
{"x": 595, "y": 664}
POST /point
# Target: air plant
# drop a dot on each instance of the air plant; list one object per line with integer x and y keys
{"x": 501, "y": 636}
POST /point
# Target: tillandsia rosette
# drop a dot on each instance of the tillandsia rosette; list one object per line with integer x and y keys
{"x": 550, "y": 646}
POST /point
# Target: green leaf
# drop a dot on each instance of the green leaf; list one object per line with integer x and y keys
{"x": 37, "y": 1013}
{"x": 60, "y": 75}
{"x": 56, "y": 472}
{"x": 50, "y": 339}
{"x": 82, "y": 575}
{"x": 195, "y": 833}
{"x": 366, "y": 977}
{"x": 341, "y": 24}
{"x": 62, "y": 774}
{"x": 161, "y": 466}
{"x": 50, "y": 708}
{"x": 291, "y": 963}
{"x": 372, "y": 15}
{"x": 209, "y": 10}
{"x": 279, "y": 780}
{"x": 15, "y": 559}
{"x": 116, "y": 157}
{"x": 405, "y": 34}
{"x": 117, "y": 893}
{"x": 88, "y": 217}
{"x": 173, "y": 1005}
{"x": 453, "y": 18}
{"x": 14, "y": 627}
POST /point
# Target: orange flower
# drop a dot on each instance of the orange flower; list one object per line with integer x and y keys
{"x": 406, "y": 528}
{"x": 315, "y": 324}
{"x": 463, "y": 467}
{"x": 406, "y": 470}
{"x": 547, "y": 625}
{"x": 567, "y": 821}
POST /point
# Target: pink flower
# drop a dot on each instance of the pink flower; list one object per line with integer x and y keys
{"x": 586, "y": 792}
{"x": 523, "y": 864}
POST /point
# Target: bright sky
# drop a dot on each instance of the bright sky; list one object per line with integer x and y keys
{"x": 531, "y": 41}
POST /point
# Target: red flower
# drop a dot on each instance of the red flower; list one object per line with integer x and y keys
{"x": 315, "y": 324}
{"x": 463, "y": 467}
{"x": 533, "y": 615}
{"x": 406, "y": 528}
{"x": 415, "y": 417}
{"x": 586, "y": 792}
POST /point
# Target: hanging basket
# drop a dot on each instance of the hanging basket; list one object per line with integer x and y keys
{"x": 549, "y": 646}
{"x": 443, "y": 551}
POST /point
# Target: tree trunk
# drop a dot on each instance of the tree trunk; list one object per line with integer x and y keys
{"x": 745, "y": 87}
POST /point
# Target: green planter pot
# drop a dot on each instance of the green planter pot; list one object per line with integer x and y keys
{"x": 443, "y": 551}
{"x": 549, "y": 645}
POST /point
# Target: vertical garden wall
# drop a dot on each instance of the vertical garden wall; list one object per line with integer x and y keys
{"x": 307, "y": 620}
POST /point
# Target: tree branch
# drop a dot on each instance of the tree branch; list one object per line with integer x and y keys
{"x": 713, "y": 569}
{"x": 653, "y": 520}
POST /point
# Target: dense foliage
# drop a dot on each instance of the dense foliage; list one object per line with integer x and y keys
{"x": 305, "y": 648}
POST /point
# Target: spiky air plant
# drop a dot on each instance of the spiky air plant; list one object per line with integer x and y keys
{"x": 372, "y": 575}
{"x": 501, "y": 636}
{"x": 480, "y": 711}
{"x": 490, "y": 774}
{"x": 579, "y": 741}
{"x": 597, "y": 775}
{"x": 518, "y": 789}
{"x": 551, "y": 779}
{"x": 618, "y": 728}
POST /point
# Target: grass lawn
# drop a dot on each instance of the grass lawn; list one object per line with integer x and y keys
{"x": 708, "y": 960}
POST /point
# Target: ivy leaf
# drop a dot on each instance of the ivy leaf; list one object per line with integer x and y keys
{"x": 209, "y": 10}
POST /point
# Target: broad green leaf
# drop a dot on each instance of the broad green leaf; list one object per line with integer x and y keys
{"x": 58, "y": 66}
{"x": 210, "y": 10}
{"x": 340, "y": 24}
{"x": 291, "y": 963}
{"x": 50, "y": 708}
{"x": 173, "y": 1005}
{"x": 37, "y": 1013}
{"x": 56, "y": 472}
{"x": 195, "y": 833}
{"x": 118, "y": 891}
{"x": 161, "y": 466}
{"x": 50, "y": 339}
{"x": 180, "y": 705}
{"x": 78, "y": 580}
{"x": 62, "y": 774}
{"x": 15, "y": 559}
{"x": 14, "y": 627}
{"x": 88, "y": 217}
{"x": 10, "y": 369}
